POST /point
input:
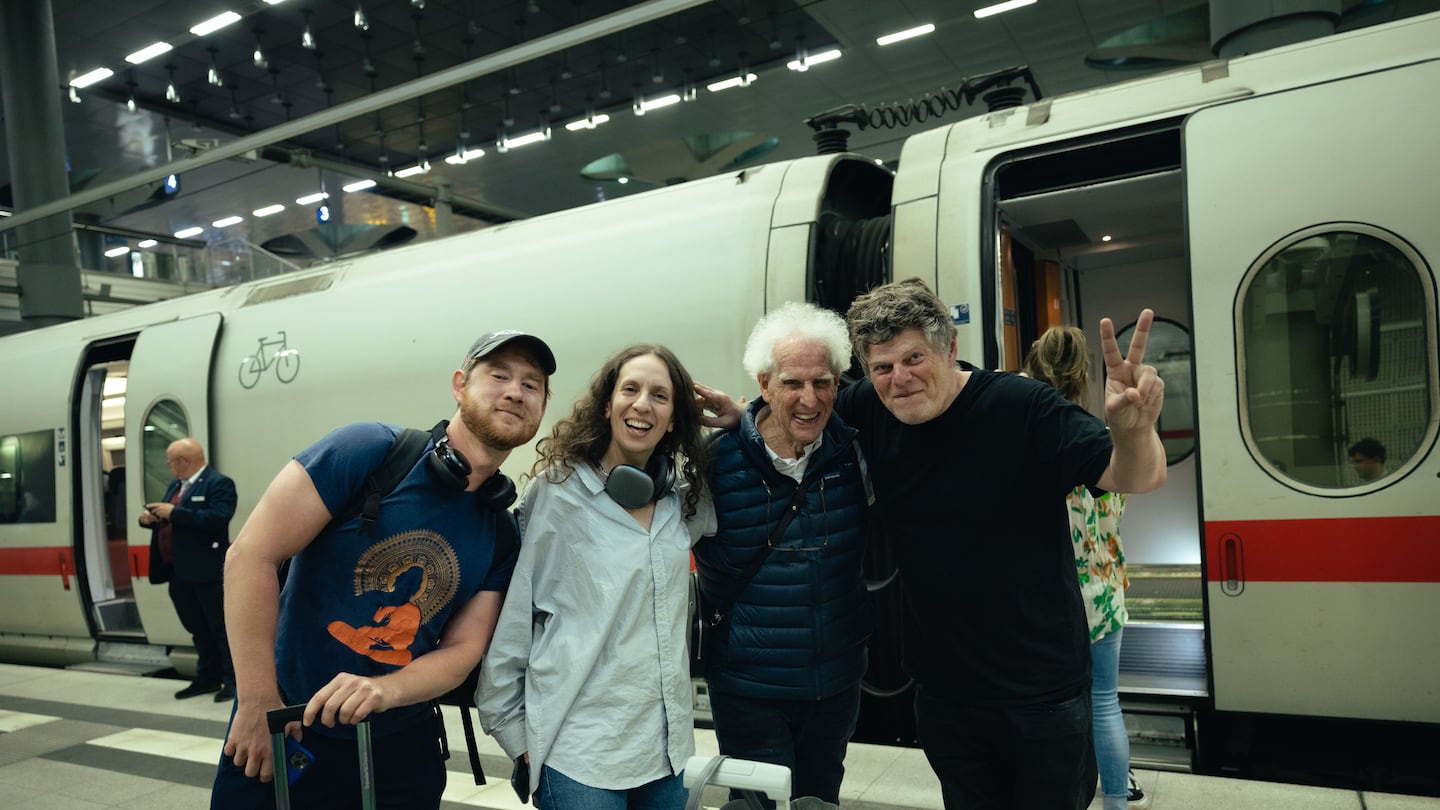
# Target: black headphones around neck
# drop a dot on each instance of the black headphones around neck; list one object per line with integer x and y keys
{"x": 632, "y": 487}
{"x": 452, "y": 471}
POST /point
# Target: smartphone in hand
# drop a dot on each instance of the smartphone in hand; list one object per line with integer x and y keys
{"x": 520, "y": 779}
{"x": 298, "y": 760}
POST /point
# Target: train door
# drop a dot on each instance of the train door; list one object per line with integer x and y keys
{"x": 1313, "y": 238}
{"x": 167, "y": 397}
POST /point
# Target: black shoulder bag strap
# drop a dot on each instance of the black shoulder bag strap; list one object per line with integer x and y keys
{"x": 720, "y": 608}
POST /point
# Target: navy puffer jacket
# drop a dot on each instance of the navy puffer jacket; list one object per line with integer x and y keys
{"x": 798, "y": 630}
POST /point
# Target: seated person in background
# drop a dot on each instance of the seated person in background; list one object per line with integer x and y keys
{"x": 784, "y": 668}
{"x": 1367, "y": 458}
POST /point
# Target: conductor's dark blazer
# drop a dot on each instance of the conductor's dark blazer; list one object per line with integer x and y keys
{"x": 199, "y": 531}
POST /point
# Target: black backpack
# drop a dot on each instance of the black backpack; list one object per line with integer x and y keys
{"x": 399, "y": 460}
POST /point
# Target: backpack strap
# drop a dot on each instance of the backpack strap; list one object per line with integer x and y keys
{"x": 407, "y": 449}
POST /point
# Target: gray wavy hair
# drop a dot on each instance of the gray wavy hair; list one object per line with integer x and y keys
{"x": 796, "y": 320}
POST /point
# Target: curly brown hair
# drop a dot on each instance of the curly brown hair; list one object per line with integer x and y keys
{"x": 584, "y": 436}
{"x": 1059, "y": 359}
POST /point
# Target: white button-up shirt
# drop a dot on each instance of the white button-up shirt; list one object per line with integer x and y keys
{"x": 588, "y": 669}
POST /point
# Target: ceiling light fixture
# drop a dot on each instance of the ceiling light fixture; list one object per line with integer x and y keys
{"x": 117, "y": 252}
{"x": 588, "y": 122}
{"x": 94, "y": 76}
{"x": 909, "y": 33}
{"x": 311, "y": 199}
{"x": 801, "y": 55}
{"x": 149, "y": 52}
{"x": 146, "y": 243}
{"x": 1000, "y": 8}
{"x": 258, "y": 57}
{"x": 733, "y": 81}
{"x": 130, "y": 98}
{"x": 268, "y": 210}
{"x": 646, "y": 105}
{"x": 307, "y": 37}
{"x": 360, "y": 185}
{"x": 361, "y": 21}
{"x": 213, "y": 74}
{"x": 411, "y": 171}
{"x": 171, "y": 94}
{"x": 1106, "y": 238}
{"x": 467, "y": 155}
{"x": 215, "y": 23}
{"x": 186, "y": 233}
{"x": 815, "y": 59}
{"x": 226, "y": 222}
{"x": 528, "y": 138}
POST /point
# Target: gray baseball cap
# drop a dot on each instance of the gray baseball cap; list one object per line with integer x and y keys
{"x": 494, "y": 340}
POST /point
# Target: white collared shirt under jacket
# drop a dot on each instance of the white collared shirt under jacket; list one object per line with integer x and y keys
{"x": 588, "y": 669}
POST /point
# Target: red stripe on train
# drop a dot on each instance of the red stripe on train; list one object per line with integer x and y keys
{"x": 39, "y": 561}
{"x": 1377, "y": 549}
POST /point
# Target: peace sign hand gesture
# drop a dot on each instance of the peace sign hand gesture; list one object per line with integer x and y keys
{"x": 1134, "y": 393}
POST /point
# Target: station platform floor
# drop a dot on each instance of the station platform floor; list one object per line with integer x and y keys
{"x": 80, "y": 740}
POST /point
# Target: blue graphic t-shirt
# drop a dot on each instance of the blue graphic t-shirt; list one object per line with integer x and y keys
{"x": 369, "y": 605}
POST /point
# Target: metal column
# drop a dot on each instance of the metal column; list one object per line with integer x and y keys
{"x": 49, "y": 279}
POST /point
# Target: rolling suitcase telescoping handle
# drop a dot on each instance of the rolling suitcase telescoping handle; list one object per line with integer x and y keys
{"x": 277, "y": 719}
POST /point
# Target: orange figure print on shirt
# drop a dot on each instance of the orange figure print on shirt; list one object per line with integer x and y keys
{"x": 388, "y": 640}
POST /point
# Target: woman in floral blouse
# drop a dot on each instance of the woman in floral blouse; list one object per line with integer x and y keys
{"x": 1060, "y": 359}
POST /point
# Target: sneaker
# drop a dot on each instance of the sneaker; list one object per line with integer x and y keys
{"x": 1138, "y": 799}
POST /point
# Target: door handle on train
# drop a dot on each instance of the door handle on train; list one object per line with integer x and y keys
{"x": 1232, "y": 564}
{"x": 65, "y": 570}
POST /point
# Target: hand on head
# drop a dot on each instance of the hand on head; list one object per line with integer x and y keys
{"x": 714, "y": 401}
{"x": 1134, "y": 392}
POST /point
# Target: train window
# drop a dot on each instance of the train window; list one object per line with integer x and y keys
{"x": 164, "y": 423}
{"x": 1169, "y": 352}
{"x": 1337, "y": 344}
{"x": 27, "y": 477}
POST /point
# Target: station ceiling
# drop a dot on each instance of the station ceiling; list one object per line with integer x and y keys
{"x": 286, "y": 60}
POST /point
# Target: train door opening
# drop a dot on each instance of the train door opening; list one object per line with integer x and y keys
{"x": 103, "y": 528}
{"x": 1095, "y": 228}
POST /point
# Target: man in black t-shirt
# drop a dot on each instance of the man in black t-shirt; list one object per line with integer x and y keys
{"x": 971, "y": 469}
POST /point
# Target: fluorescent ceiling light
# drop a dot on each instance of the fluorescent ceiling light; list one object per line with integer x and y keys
{"x": 5, "y": 214}
{"x": 815, "y": 59}
{"x": 909, "y": 33}
{"x": 227, "y": 222}
{"x": 656, "y": 103}
{"x": 268, "y": 210}
{"x": 119, "y": 251}
{"x": 87, "y": 79}
{"x": 189, "y": 232}
{"x": 273, "y": 2}
{"x": 149, "y": 52}
{"x": 588, "y": 123}
{"x": 312, "y": 198}
{"x": 411, "y": 171}
{"x": 733, "y": 81}
{"x": 1000, "y": 8}
{"x": 146, "y": 243}
{"x": 359, "y": 185}
{"x": 529, "y": 138}
{"x": 215, "y": 24}
{"x": 470, "y": 154}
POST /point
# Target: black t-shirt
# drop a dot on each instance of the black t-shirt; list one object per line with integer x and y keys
{"x": 974, "y": 503}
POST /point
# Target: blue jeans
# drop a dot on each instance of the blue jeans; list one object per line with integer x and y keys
{"x": 560, "y": 792}
{"x": 1112, "y": 746}
{"x": 807, "y": 736}
{"x": 1036, "y": 757}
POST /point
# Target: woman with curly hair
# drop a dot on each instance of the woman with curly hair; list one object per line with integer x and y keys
{"x": 587, "y": 680}
{"x": 1059, "y": 358}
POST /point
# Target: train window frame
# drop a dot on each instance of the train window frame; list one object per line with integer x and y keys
{"x": 21, "y": 468}
{"x": 1424, "y": 277}
{"x": 1122, "y": 338}
{"x": 155, "y": 477}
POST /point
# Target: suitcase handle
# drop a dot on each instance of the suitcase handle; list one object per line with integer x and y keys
{"x": 277, "y": 718}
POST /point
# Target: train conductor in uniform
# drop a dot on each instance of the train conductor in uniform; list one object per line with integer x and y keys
{"x": 190, "y": 533}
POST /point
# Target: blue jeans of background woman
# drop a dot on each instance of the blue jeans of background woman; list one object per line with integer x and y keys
{"x": 560, "y": 792}
{"x": 1112, "y": 746}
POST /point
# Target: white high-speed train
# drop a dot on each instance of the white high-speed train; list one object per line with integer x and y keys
{"x": 1278, "y": 211}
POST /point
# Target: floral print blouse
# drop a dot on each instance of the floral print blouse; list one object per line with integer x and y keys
{"x": 1099, "y": 558}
